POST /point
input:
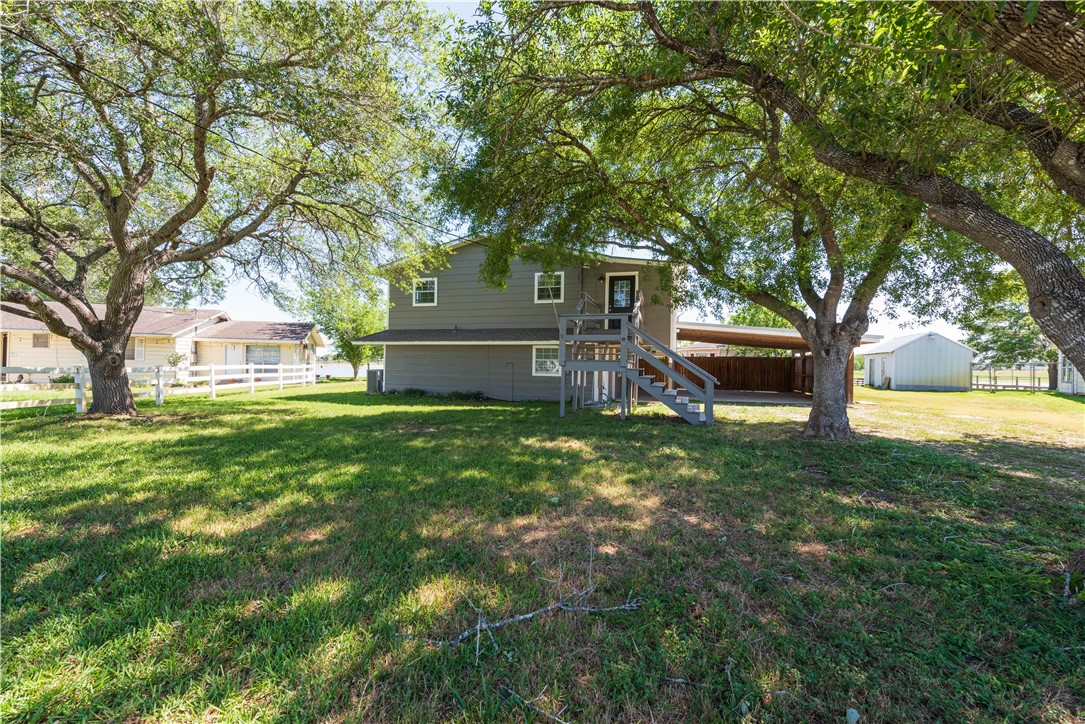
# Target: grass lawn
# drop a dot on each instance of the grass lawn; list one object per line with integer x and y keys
{"x": 259, "y": 558}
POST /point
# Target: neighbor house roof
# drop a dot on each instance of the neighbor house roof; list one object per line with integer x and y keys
{"x": 892, "y": 345}
{"x": 152, "y": 322}
{"x": 518, "y": 335}
{"x": 241, "y": 331}
{"x": 736, "y": 334}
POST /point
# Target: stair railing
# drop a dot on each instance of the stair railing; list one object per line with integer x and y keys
{"x": 634, "y": 341}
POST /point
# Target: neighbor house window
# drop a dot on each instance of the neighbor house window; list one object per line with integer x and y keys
{"x": 135, "y": 349}
{"x": 549, "y": 287}
{"x": 40, "y": 340}
{"x": 262, "y": 354}
{"x": 425, "y": 292}
{"x": 545, "y": 362}
{"x": 1067, "y": 369}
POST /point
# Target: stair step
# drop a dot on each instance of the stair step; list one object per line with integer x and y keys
{"x": 681, "y": 400}
{"x": 660, "y": 385}
{"x": 670, "y": 393}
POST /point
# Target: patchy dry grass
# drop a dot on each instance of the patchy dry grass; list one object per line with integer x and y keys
{"x": 256, "y": 558}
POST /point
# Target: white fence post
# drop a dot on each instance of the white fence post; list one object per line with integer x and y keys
{"x": 159, "y": 389}
{"x": 280, "y": 375}
{"x": 252, "y": 378}
{"x": 211, "y": 374}
{"x": 80, "y": 392}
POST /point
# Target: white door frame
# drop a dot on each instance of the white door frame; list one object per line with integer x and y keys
{"x": 239, "y": 349}
{"x": 606, "y": 285}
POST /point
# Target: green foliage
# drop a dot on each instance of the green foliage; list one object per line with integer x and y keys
{"x": 283, "y": 138}
{"x": 754, "y": 315}
{"x": 475, "y": 395}
{"x": 698, "y": 174}
{"x": 1002, "y": 332}
{"x": 62, "y": 379}
{"x": 574, "y": 106}
{"x": 176, "y": 359}
{"x": 344, "y": 312}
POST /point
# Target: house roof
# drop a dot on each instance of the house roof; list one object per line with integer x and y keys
{"x": 518, "y": 335}
{"x": 736, "y": 334}
{"x": 152, "y": 322}
{"x": 468, "y": 242}
{"x": 170, "y": 322}
{"x": 242, "y": 331}
{"x": 892, "y": 345}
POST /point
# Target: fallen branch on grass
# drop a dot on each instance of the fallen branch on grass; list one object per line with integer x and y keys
{"x": 631, "y": 604}
{"x": 573, "y": 602}
{"x": 535, "y": 707}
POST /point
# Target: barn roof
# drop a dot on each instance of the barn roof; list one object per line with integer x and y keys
{"x": 892, "y": 345}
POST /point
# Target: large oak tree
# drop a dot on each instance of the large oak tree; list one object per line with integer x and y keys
{"x": 717, "y": 185}
{"x": 160, "y": 142}
{"x": 973, "y": 124}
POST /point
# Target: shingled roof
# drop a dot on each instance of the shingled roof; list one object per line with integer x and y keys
{"x": 286, "y": 332}
{"x": 514, "y": 335}
{"x": 153, "y": 321}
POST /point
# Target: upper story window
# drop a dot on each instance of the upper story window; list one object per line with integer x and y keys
{"x": 135, "y": 349}
{"x": 40, "y": 340}
{"x": 549, "y": 287}
{"x": 425, "y": 292}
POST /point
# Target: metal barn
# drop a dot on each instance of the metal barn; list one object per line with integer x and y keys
{"x": 922, "y": 361}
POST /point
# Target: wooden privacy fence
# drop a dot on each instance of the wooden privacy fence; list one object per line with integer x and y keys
{"x": 162, "y": 381}
{"x": 761, "y": 374}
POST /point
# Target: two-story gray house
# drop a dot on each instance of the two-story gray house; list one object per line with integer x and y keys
{"x": 451, "y": 333}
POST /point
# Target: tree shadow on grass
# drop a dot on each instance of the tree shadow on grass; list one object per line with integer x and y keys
{"x": 262, "y": 561}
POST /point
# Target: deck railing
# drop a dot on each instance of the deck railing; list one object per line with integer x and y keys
{"x": 162, "y": 381}
{"x": 614, "y": 344}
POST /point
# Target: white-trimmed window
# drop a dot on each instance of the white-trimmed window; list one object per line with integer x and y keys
{"x": 1067, "y": 370}
{"x": 549, "y": 287}
{"x": 135, "y": 350}
{"x": 544, "y": 362}
{"x": 40, "y": 340}
{"x": 263, "y": 354}
{"x": 425, "y": 292}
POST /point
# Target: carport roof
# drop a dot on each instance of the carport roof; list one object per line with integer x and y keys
{"x": 736, "y": 334}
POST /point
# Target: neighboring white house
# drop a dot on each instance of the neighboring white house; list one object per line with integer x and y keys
{"x": 205, "y": 336}
{"x": 922, "y": 361}
{"x": 1070, "y": 380}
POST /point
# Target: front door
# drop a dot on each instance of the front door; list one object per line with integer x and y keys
{"x": 621, "y": 293}
{"x": 233, "y": 355}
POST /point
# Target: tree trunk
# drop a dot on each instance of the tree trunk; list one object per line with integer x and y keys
{"x": 829, "y": 410}
{"x": 356, "y": 366}
{"x": 1052, "y": 375}
{"x": 110, "y": 392}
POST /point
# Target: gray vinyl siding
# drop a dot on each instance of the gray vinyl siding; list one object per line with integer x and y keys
{"x": 440, "y": 369}
{"x": 466, "y": 302}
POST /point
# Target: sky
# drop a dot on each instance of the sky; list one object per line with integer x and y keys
{"x": 242, "y": 301}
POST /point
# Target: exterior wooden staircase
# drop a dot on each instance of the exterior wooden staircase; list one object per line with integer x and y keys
{"x": 613, "y": 344}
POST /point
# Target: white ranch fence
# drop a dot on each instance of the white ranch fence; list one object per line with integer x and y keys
{"x": 163, "y": 381}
